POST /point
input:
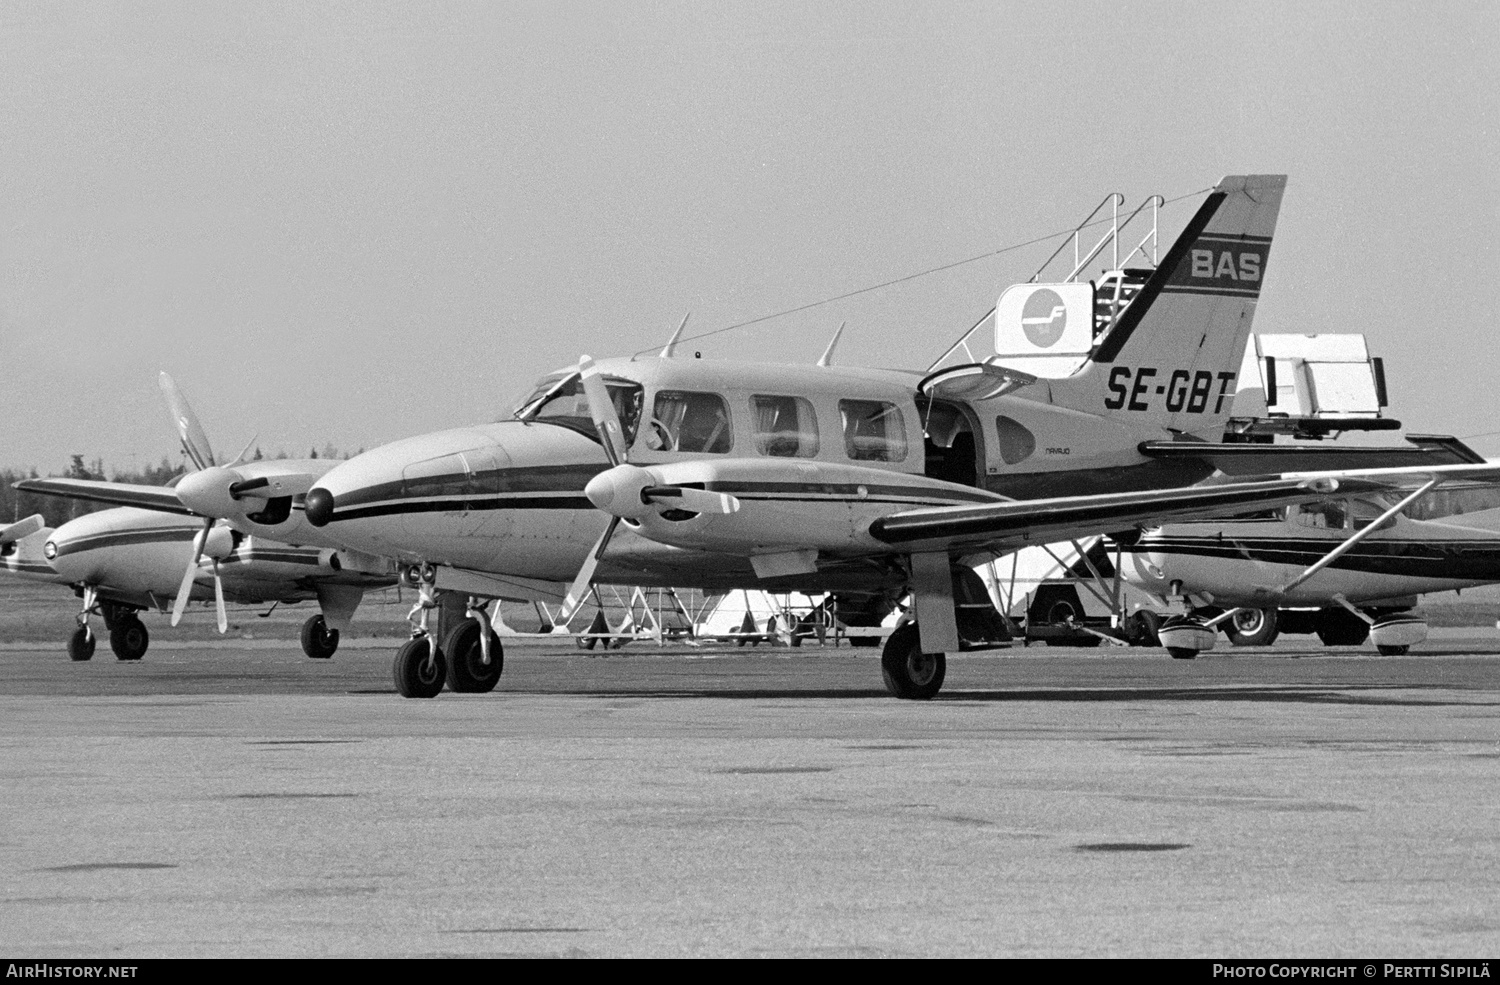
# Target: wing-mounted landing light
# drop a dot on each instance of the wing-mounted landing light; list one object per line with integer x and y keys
{"x": 625, "y": 491}
{"x": 974, "y": 381}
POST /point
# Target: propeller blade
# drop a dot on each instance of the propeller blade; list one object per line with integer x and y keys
{"x": 186, "y": 588}
{"x": 697, "y": 500}
{"x": 579, "y": 590}
{"x": 223, "y": 616}
{"x": 22, "y": 528}
{"x": 602, "y": 410}
{"x": 189, "y": 431}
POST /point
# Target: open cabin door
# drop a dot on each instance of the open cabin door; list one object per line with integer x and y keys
{"x": 950, "y": 429}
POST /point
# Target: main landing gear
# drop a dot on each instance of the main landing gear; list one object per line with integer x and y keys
{"x": 127, "y": 634}
{"x": 319, "y": 641}
{"x": 962, "y": 617}
{"x": 471, "y": 659}
{"x": 909, "y": 673}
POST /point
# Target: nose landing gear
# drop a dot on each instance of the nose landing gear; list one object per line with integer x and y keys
{"x": 419, "y": 669}
{"x": 470, "y": 659}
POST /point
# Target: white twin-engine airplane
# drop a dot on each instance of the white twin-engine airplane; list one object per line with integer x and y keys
{"x": 868, "y": 484}
{"x": 172, "y": 544}
{"x": 865, "y": 483}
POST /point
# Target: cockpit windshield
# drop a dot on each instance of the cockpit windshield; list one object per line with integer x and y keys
{"x": 559, "y": 399}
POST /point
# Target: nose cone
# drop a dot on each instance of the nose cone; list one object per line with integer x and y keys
{"x": 319, "y": 506}
{"x": 384, "y": 501}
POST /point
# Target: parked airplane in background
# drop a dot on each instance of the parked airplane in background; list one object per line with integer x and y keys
{"x": 21, "y": 549}
{"x": 1345, "y": 569}
{"x": 172, "y": 542}
{"x": 125, "y": 560}
{"x": 865, "y": 483}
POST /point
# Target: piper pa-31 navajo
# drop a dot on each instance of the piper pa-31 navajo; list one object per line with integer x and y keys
{"x": 865, "y": 483}
{"x": 173, "y": 541}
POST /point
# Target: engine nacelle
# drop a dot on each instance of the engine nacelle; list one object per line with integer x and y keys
{"x": 206, "y": 492}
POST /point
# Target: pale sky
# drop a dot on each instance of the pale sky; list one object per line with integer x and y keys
{"x": 350, "y": 222}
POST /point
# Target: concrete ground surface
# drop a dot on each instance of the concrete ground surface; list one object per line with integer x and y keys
{"x": 240, "y": 800}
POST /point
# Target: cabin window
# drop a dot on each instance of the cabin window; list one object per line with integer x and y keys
{"x": 874, "y": 431}
{"x": 691, "y": 422}
{"x": 785, "y": 427}
{"x": 1366, "y": 511}
{"x": 565, "y": 403}
{"x": 1332, "y": 515}
{"x": 1456, "y": 501}
{"x": 1015, "y": 440}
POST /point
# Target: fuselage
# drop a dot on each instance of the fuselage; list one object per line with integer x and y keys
{"x": 1241, "y": 563}
{"x": 819, "y": 452}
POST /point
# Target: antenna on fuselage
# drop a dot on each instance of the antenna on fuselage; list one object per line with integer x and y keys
{"x": 827, "y": 358}
{"x": 666, "y": 350}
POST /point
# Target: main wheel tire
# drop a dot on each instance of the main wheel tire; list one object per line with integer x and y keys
{"x": 81, "y": 645}
{"x": 909, "y": 673}
{"x": 1253, "y": 627}
{"x": 1142, "y": 628}
{"x": 416, "y": 677}
{"x": 467, "y": 671}
{"x": 129, "y": 638}
{"x": 318, "y": 641}
{"x": 1394, "y": 650}
{"x": 1181, "y": 653}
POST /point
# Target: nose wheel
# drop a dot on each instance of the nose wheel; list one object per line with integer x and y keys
{"x": 420, "y": 669}
{"x": 81, "y": 644}
{"x": 475, "y": 657}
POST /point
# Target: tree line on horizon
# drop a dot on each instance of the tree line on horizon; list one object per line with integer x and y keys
{"x": 56, "y": 510}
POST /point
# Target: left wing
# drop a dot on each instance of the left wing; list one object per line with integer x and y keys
{"x": 1008, "y": 526}
{"x": 161, "y": 498}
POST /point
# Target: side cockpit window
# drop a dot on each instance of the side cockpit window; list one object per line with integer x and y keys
{"x": 690, "y": 422}
{"x": 874, "y": 431}
{"x": 785, "y": 427}
{"x": 561, "y": 400}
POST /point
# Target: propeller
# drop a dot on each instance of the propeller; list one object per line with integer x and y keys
{"x": 219, "y": 490}
{"x": 185, "y": 589}
{"x": 625, "y": 491}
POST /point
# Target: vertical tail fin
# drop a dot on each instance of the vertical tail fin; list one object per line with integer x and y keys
{"x": 1172, "y": 356}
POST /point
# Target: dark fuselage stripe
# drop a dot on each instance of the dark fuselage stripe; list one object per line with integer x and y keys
{"x": 126, "y": 538}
